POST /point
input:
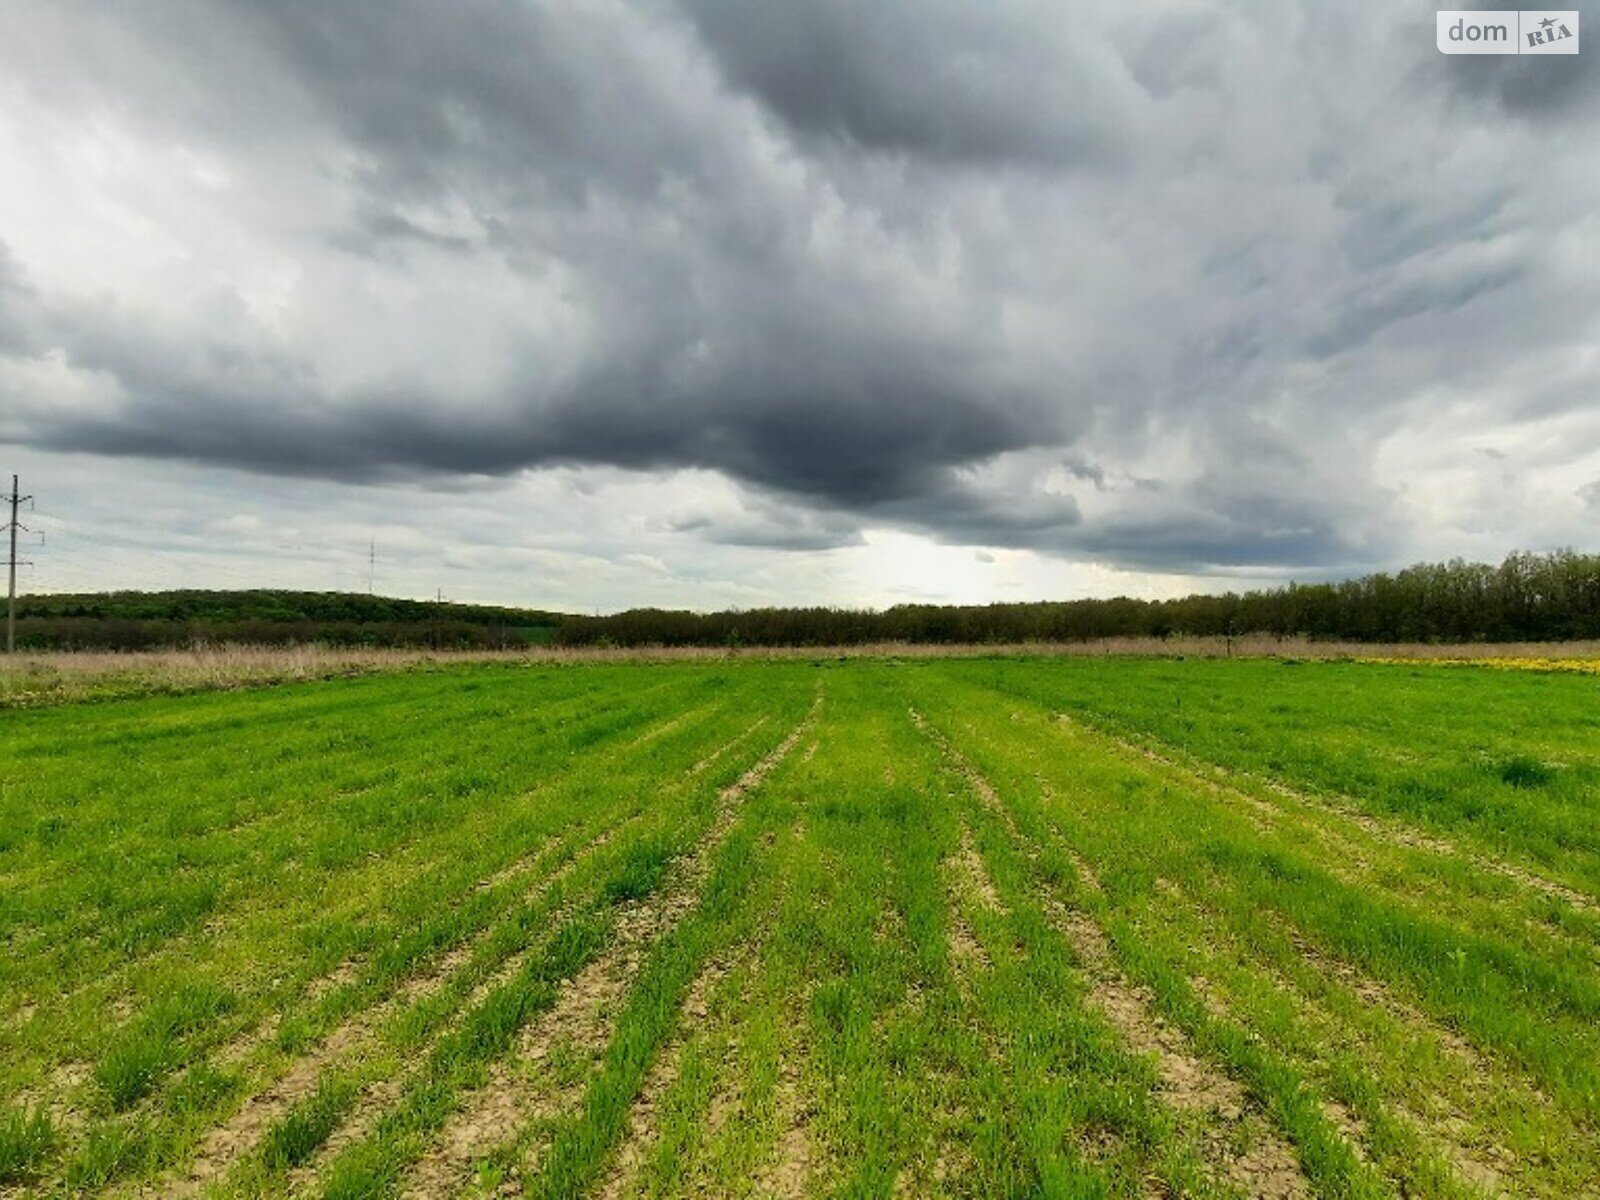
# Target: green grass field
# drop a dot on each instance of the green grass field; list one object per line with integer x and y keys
{"x": 968, "y": 927}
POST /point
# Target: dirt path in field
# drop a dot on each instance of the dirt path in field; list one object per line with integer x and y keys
{"x": 1468, "y": 1145}
{"x": 787, "y": 1171}
{"x": 520, "y": 1089}
{"x": 643, "y": 1128}
{"x": 1223, "y": 780}
{"x": 1267, "y": 1167}
{"x": 707, "y": 762}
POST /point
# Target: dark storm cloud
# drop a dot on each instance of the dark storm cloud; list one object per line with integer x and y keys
{"x": 516, "y": 100}
{"x": 1179, "y": 50}
{"x": 950, "y": 80}
{"x": 1198, "y": 542}
{"x": 845, "y": 420}
{"x": 1146, "y": 283}
{"x": 508, "y": 107}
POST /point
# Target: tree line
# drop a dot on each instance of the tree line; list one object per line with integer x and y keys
{"x": 156, "y": 620}
{"x": 1528, "y": 597}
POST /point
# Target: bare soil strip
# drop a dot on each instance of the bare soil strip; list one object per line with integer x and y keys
{"x": 984, "y": 789}
{"x": 583, "y": 1014}
{"x": 1218, "y": 778}
{"x": 976, "y": 874}
{"x": 790, "y": 1173}
{"x": 965, "y": 875}
{"x": 787, "y": 1173}
{"x": 1268, "y": 1167}
{"x": 522, "y": 1087}
{"x": 377, "y": 1097}
{"x": 795, "y": 1165}
{"x": 661, "y": 729}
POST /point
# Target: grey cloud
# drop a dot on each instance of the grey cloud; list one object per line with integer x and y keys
{"x": 18, "y": 304}
{"x": 1179, "y": 50}
{"x": 949, "y": 80}
{"x": 483, "y": 92}
{"x": 768, "y": 525}
{"x": 955, "y": 511}
{"x": 1203, "y": 542}
{"x": 1081, "y": 468}
{"x": 844, "y": 421}
{"x": 856, "y": 257}
{"x": 375, "y": 231}
{"x": 1368, "y": 312}
{"x": 1387, "y": 233}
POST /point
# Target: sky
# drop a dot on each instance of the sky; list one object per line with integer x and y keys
{"x": 719, "y": 303}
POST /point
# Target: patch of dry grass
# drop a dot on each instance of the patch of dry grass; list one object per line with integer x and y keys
{"x": 32, "y": 679}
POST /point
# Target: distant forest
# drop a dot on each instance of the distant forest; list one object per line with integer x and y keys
{"x": 147, "y": 620}
{"x": 1528, "y": 597}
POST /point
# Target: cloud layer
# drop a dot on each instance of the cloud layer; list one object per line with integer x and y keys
{"x": 1175, "y": 287}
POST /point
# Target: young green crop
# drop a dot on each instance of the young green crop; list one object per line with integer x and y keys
{"x": 961, "y": 927}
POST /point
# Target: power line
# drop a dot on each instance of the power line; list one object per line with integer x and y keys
{"x": 14, "y": 526}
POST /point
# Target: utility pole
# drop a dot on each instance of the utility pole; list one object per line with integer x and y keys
{"x": 16, "y": 498}
{"x": 372, "y": 563}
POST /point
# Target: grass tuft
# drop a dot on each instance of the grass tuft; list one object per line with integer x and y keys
{"x": 640, "y": 872}
{"x": 153, "y": 1045}
{"x": 1524, "y": 772}
{"x": 303, "y": 1130}
{"x": 26, "y": 1137}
